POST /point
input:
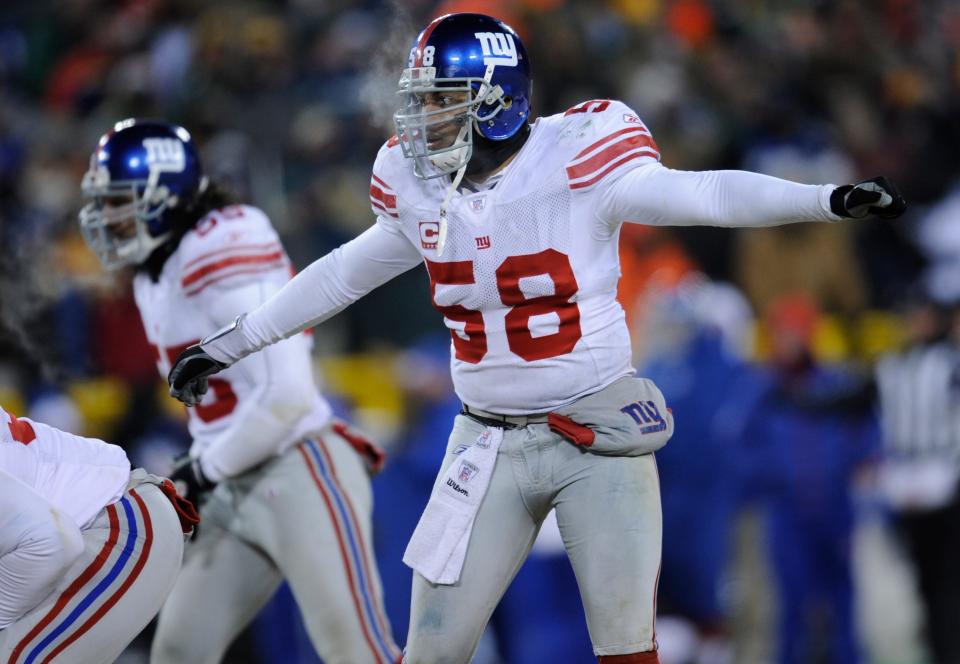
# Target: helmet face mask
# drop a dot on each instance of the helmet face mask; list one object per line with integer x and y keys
{"x": 434, "y": 125}
{"x": 139, "y": 172}
{"x": 467, "y": 73}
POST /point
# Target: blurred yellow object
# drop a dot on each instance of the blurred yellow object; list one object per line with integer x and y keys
{"x": 637, "y": 12}
{"x": 12, "y": 401}
{"x": 170, "y": 406}
{"x": 101, "y": 402}
{"x": 366, "y": 380}
{"x": 878, "y": 332}
{"x": 830, "y": 341}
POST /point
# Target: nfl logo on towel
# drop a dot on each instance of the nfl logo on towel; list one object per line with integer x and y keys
{"x": 467, "y": 471}
{"x": 483, "y": 440}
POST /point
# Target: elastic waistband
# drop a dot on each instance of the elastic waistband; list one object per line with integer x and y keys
{"x": 502, "y": 421}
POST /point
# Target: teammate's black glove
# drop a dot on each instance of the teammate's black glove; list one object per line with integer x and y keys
{"x": 876, "y": 196}
{"x": 188, "y": 376}
{"x": 189, "y": 479}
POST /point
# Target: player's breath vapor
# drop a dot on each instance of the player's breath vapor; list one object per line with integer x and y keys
{"x": 378, "y": 92}
{"x": 24, "y": 296}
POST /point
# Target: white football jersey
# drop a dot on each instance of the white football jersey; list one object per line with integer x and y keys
{"x": 79, "y": 476}
{"x": 230, "y": 261}
{"x": 527, "y": 279}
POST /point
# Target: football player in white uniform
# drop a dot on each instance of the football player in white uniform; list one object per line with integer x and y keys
{"x": 287, "y": 487}
{"x": 88, "y": 549}
{"x": 517, "y": 224}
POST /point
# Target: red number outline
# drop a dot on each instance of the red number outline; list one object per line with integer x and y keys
{"x": 520, "y": 339}
{"x": 519, "y": 336}
{"x": 459, "y": 273}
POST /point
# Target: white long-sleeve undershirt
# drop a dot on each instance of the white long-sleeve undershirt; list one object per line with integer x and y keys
{"x": 651, "y": 194}
{"x": 659, "y": 196}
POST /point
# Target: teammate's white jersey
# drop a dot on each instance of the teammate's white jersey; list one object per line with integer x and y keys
{"x": 527, "y": 277}
{"x": 79, "y": 476}
{"x": 231, "y": 261}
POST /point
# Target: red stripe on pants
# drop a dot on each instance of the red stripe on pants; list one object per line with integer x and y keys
{"x": 343, "y": 550}
{"x": 141, "y": 561}
{"x": 74, "y": 587}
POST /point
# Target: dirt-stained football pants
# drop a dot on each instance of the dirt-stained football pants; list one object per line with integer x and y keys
{"x": 608, "y": 510}
{"x": 304, "y": 517}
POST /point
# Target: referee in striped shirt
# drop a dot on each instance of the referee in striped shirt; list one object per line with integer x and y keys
{"x": 919, "y": 395}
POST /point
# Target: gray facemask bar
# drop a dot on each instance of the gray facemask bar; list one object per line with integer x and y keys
{"x": 97, "y": 223}
{"x": 413, "y": 123}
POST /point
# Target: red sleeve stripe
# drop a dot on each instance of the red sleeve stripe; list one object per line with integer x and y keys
{"x": 609, "y": 138}
{"x": 381, "y": 200}
{"x": 239, "y": 248}
{"x": 378, "y": 206}
{"x": 230, "y": 261}
{"x": 596, "y": 161}
{"x": 604, "y": 145}
{"x": 643, "y": 152}
{"x": 235, "y": 272}
{"x": 383, "y": 185}
{"x": 388, "y": 200}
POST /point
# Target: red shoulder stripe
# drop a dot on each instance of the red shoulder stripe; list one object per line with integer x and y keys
{"x": 236, "y": 272}
{"x": 229, "y": 261}
{"x": 611, "y": 152}
{"x": 619, "y": 162}
{"x": 610, "y": 137}
{"x": 247, "y": 248}
{"x": 382, "y": 184}
{"x": 379, "y": 194}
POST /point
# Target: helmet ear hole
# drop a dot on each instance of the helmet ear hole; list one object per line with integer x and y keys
{"x": 507, "y": 103}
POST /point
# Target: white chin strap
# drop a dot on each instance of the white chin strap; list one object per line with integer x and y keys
{"x": 453, "y": 157}
{"x": 442, "y": 231}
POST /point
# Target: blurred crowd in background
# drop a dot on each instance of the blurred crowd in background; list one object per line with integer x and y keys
{"x": 810, "y": 499}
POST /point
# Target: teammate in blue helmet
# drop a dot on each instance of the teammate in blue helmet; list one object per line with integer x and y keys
{"x": 142, "y": 174}
{"x": 200, "y": 262}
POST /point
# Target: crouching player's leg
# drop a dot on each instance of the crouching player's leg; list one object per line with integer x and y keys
{"x": 122, "y": 569}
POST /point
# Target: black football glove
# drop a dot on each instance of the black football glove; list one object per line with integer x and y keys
{"x": 189, "y": 479}
{"x": 188, "y": 376}
{"x": 877, "y": 196}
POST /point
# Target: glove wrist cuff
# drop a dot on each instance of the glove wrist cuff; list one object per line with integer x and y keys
{"x": 227, "y": 345}
{"x": 837, "y": 201}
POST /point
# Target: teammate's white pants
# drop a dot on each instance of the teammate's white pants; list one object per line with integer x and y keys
{"x": 304, "y": 516}
{"x": 608, "y": 510}
{"x": 132, "y": 552}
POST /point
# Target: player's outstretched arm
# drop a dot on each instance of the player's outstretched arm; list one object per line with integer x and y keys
{"x": 660, "y": 196}
{"x": 323, "y": 289}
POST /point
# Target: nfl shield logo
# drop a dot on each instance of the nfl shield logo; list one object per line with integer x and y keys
{"x": 467, "y": 471}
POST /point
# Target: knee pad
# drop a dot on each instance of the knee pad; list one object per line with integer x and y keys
{"x": 646, "y": 657}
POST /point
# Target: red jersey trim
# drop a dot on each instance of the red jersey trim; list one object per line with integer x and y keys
{"x": 243, "y": 259}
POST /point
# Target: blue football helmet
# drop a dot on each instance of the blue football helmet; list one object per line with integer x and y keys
{"x": 139, "y": 173}
{"x": 465, "y": 71}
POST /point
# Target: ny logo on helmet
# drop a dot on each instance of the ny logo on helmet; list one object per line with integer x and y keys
{"x": 165, "y": 154}
{"x": 498, "y": 48}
